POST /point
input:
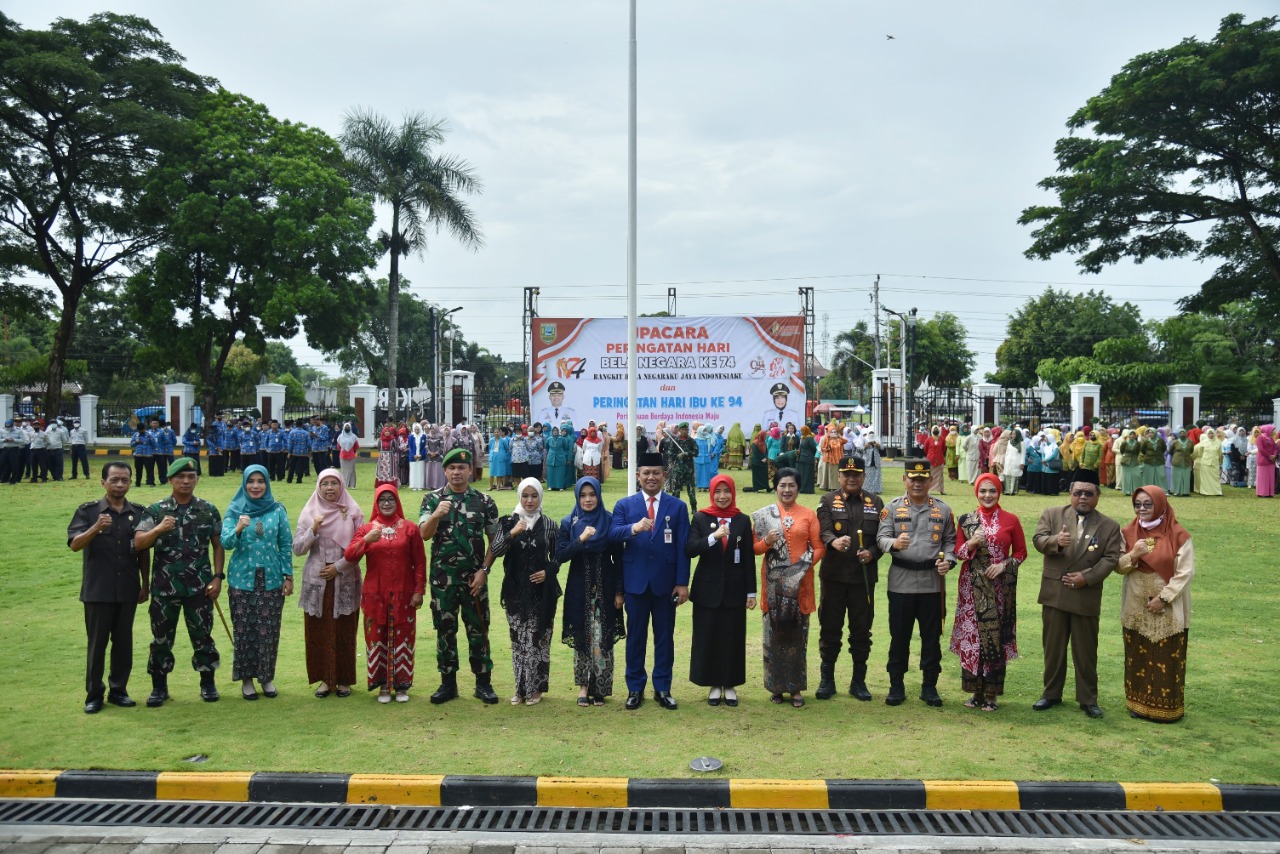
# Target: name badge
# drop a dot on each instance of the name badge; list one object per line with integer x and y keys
{"x": 666, "y": 536}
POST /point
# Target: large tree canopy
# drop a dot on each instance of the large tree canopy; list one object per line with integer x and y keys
{"x": 262, "y": 236}
{"x": 84, "y": 110}
{"x": 1059, "y": 325}
{"x": 1182, "y": 159}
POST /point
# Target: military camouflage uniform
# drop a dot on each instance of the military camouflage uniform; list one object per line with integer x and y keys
{"x": 180, "y": 571}
{"x": 457, "y": 551}
{"x": 680, "y": 468}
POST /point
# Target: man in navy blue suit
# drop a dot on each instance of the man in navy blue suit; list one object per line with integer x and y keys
{"x": 655, "y": 577}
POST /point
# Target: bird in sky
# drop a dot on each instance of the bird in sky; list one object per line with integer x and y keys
{"x": 890, "y": 38}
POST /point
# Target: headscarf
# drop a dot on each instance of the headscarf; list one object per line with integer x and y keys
{"x": 377, "y": 516}
{"x": 1168, "y": 534}
{"x": 341, "y": 517}
{"x": 805, "y": 431}
{"x": 388, "y": 434}
{"x": 705, "y": 433}
{"x": 988, "y": 477}
{"x": 757, "y": 439}
{"x": 243, "y": 505}
{"x": 735, "y": 438}
{"x": 722, "y": 512}
{"x": 530, "y": 519}
{"x": 346, "y": 439}
{"x": 774, "y": 432}
{"x": 598, "y": 518}
{"x": 620, "y": 435}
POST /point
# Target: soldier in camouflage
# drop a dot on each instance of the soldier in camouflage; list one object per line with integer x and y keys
{"x": 678, "y": 452}
{"x": 456, "y": 519}
{"x": 182, "y": 528}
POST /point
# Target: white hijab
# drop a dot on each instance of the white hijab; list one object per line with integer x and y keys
{"x": 530, "y": 519}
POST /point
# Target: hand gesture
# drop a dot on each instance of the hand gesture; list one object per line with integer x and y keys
{"x": 864, "y": 556}
{"x": 443, "y": 508}
{"x": 587, "y": 533}
{"x": 751, "y": 601}
{"x": 242, "y": 523}
{"x": 104, "y": 521}
{"x": 645, "y": 524}
{"x": 167, "y": 524}
{"x": 771, "y": 539}
{"x": 288, "y": 585}
{"x": 315, "y": 525}
{"x": 330, "y": 570}
{"x": 1155, "y": 604}
{"x": 721, "y": 532}
{"x": 1064, "y": 538}
{"x": 942, "y": 565}
{"x": 375, "y": 534}
{"x": 994, "y": 571}
{"x": 538, "y": 577}
{"x": 519, "y": 528}
{"x": 901, "y": 542}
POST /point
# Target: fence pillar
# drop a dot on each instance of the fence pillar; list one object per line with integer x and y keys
{"x": 89, "y": 416}
{"x": 1184, "y": 405}
{"x": 179, "y": 400}
{"x": 270, "y": 398}
{"x": 1275, "y": 410}
{"x": 1086, "y": 404}
{"x": 986, "y": 404}
{"x": 364, "y": 399}
{"x": 887, "y": 401}
{"x": 6, "y": 407}
{"x": 459, "y": 397}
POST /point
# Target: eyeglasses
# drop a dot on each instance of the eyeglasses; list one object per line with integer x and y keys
{"x": 1143, "y": 505}
{"x": 1083, "y": 493}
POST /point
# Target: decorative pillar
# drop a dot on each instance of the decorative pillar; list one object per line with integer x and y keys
{"x": 1275, "y": 410}
{"x": 887, "y": 405}
{"x": 6, "y": 407}
{"x": 179, "y": 406}
{"x": 363, "y": 399}
{"x": 1086, "y": 403}
{"x": 88, "y": 416}
{"x": 986, "y": 404}
{"x": 459, "y": 396}
{"x": 1184, "y": 405}
{"x": 270, "y": 397}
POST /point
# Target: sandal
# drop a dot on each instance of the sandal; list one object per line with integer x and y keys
{"x": 321, "y": 693}
{"x": 989, "y": 706}
{"x": 797, "y": 702}
{"x": 597, "y": 700}
{"x": 584, "y": 701}
{"x": 972, "y": 703}
{"x": 776, "y": 698}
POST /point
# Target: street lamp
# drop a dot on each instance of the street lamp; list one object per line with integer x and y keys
{"x": 435, "y": 360}
{"x": 906, "y": 380}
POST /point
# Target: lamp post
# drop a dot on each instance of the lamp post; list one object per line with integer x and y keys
{"x": 909, "y": 371}
{"x": 435, "y": 360}
{"x": 905, "y": 420}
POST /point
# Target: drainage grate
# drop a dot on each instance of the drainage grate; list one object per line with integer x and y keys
{"x": 1258, "y": 827}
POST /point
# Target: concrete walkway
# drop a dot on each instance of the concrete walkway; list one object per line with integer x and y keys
{"x": 124, "y": 840}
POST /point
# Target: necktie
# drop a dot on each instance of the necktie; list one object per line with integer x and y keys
{"x": 724, "y": 543}
{"x": 652, "y": 509}
{"x": 557, "y": 412}
{"x": 1079, "y": 527}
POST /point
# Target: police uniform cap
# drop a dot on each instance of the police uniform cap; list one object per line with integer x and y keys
{"x": 917, "y": 468}
{"x": 555, "y": 386}
{"x": 457, "y": 455}
{"x": 779, "y": 388}
{"x": 853, "y": 463}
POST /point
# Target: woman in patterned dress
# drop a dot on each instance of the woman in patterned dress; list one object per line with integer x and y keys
{"x": 593, "y": 620}
{"x": 395, "y": 579}
{"x": 990, "y": 542}
{"x": 255, "y": 530}
{"x": 526, "y": 542}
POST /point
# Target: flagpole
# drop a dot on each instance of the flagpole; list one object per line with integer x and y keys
{"x": 631, "y": 259}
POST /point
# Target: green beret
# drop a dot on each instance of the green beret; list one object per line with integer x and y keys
{"x": 457, "y": 455}
{"x": 181, "y": 464}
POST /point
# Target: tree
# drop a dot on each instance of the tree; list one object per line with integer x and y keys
{"x": 855, "y": 349}
{"x": 940, "y": 351}
{"x": 398, "y": 167}
{"x": 1181, "y": 161}
{"x": 263, "y": 236}
{"x": 1127, "y": 369}
{"x": 85, "y": 108}
{"x": 1059, "y": 325}
{"x": 281, "y": 359}
{"x": 366, "y": 350}
{"x": 1231, "y": 354}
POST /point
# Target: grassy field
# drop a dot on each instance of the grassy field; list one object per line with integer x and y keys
{"x": 1228, "y": 734}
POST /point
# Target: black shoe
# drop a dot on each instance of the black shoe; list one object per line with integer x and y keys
{"x": 92, "y": 707}
{"x": 929, "y": 693}
{"x": 858, "y": 691}
{"x": 827, "y": 681}
{"x": 159, "y": 691}
{"x": 121, "y": 699}
{"x": 484, "y": 691}
{"x": 897, "y": 694}
{"x": 634, "y": 700}
{"x": 208, "y": 687}
{"x": 1091, "y": 709}
{"x": 1045, "y": 703}
{"x": 444, "y": 694}
{"x": 665, "y": 700}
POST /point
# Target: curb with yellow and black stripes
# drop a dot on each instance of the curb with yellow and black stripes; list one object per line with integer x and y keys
{"x": 625, "y": 793}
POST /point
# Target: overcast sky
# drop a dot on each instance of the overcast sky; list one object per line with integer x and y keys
{"x": 781, "y": 144}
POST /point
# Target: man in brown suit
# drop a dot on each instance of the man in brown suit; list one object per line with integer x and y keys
{"x": 1081, "y": 547}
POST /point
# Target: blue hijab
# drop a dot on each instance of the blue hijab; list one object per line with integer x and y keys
{"x": 579, "y": 520}
{"x": 243, "y": 505}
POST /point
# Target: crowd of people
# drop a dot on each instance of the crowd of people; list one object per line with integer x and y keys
{"x": 34, "y": 451}
{"x": 604, "y": 575}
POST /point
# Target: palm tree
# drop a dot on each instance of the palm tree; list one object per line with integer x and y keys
{"x": 398, "y": 167}
{"x": 853, "y": 348}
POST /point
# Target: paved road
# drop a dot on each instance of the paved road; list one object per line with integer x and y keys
{"x": 16, "y": 839}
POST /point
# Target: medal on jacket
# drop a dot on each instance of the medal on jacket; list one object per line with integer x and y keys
{"x": 257, "y": 528}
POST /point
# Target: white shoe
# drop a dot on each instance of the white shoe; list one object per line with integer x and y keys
{"x": 402, "y": 696}
{"x": 384, "y": 697}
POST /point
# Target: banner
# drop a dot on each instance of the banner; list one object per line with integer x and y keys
{"x": 717, "y": 370}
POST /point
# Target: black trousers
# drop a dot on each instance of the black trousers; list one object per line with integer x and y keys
{"x": 276, "y": 463}
{"x": 141, "y": 465}
{"x": 298, "y": 467}
{"x": 841, "y": 600}
{"x": 319, "y": 460}
{"x": 233, "y": 459}
{"x": 108, "y": 623}
{"x": 39, "y": 464}
{"x": 80, "y": 456}
{"x": 57, "y": 458}
{"x": 163, "y": 461}
{"x": 217, "y": 464}
{"x": 906, "y": 610}
{"x": 10, "y": 464}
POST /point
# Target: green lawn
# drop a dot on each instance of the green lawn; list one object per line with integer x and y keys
{"x": 1228, "y": 734}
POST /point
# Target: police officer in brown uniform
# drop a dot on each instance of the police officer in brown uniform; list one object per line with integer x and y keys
{"x": 920, "y": 533}
{"x": 848, "y": 519}
{"x": 1081, "y": 547}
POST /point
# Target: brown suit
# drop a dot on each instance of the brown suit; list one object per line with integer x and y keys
{"x": 1071, "y": 615}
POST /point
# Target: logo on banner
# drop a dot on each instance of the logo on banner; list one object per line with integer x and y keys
{"x": 570, "y": 367}
{"x": 757, "y": 367}
{"x": 547, "y": 331}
